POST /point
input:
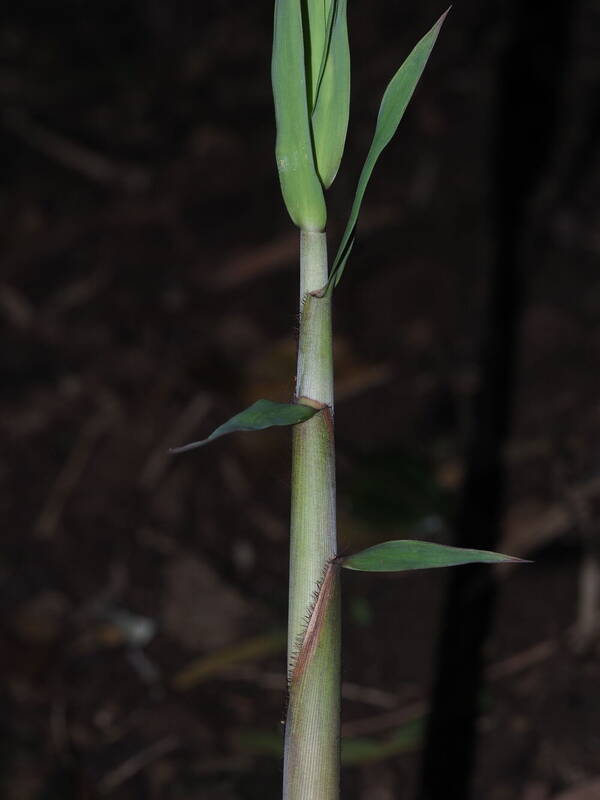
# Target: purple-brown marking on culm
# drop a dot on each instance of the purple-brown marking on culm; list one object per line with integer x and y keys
{"x": 315, "y": 623}
{"x": 328, "y": 417}
{"x": 308, "y": 401}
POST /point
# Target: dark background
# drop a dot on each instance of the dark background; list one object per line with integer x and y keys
{"x": 148, "y": 290}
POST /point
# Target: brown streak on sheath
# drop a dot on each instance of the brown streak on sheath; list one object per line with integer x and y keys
{"x": 328, "y": 417}
{"x": 308, "y": 401}
{"x": 315, "y": 623}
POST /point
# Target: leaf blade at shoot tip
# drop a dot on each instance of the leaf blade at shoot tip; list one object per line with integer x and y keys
{"x": 300, "y": 184}
{"x": 393, "y": 105}
{"x": 408, "y": 554}
{"x": 331, "y": 108}
{"x": 260, "y": 415}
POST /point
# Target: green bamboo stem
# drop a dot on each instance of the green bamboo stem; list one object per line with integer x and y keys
{"x": 311, "y": 762}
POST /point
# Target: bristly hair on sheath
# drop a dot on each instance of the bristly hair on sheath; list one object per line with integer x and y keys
{"x": 308, "y": 639}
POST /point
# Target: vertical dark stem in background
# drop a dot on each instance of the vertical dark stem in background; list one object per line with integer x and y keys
{"x": 528, "y": 94}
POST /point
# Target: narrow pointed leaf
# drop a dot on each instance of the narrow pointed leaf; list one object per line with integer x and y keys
{"x": 300, "y": 184}
{"x": 354, "y": 751}
{"x": 369, "y": 750}
{"x": 318, "y": 23}
{"x": 398, "y": 556}
{"x": 393, "y": 105}
{"x": 222, "y": 659}
{"x": 260, "y": 415}
{"x": 332, "y": 100}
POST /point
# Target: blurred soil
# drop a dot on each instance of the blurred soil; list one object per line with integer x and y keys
{"x": 148, "y": 291}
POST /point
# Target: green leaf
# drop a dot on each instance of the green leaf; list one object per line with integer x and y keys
{"x": 260, "y": 415}
{"x": 217, "y": 661}
{"x": 406, "y": 554}
{"x": 393, "y": 105}
{"x": 317, "y": 21}
{"x": 395, "y": 487}
{"x": 300, "y": 184}
{"x": 332, "y": 96}
{"x": 354, "y": 751}
{"x": 368, "y": 750}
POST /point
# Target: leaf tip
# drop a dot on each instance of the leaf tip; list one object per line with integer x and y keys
{"x": 517, "y": 560}
{"x": 438, "y": 25}
{"x": 185, "y": 447}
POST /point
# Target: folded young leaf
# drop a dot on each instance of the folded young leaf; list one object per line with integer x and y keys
{"x": 331, "y": 105}
{"x": 393, "y": 105}
{"x": 260, "y": 415}
{"x": 300, "y": 185}
{"x": 398, "y": 556}
{"x": 317, "y": 24}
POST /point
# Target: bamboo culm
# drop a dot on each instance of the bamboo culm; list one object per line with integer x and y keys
{"x": 312, "y": 738}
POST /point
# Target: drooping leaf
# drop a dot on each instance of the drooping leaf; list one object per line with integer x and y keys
{"x": 395, "y": 487}
{"x": 260, "y": 415}
{"x": 367, "y": 750}
{"x": 331, "y": 107}
{"x": 393, "y": 105}
{"x": 354, "y": 751}
{"x": 300, "y": 184}
{"x": 406, "y": 554}
{"x": 211, "y": 664}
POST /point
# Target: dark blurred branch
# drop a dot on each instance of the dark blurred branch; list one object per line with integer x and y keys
{"x": 75, "y": 156}
{"x": 528, "y": 97}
